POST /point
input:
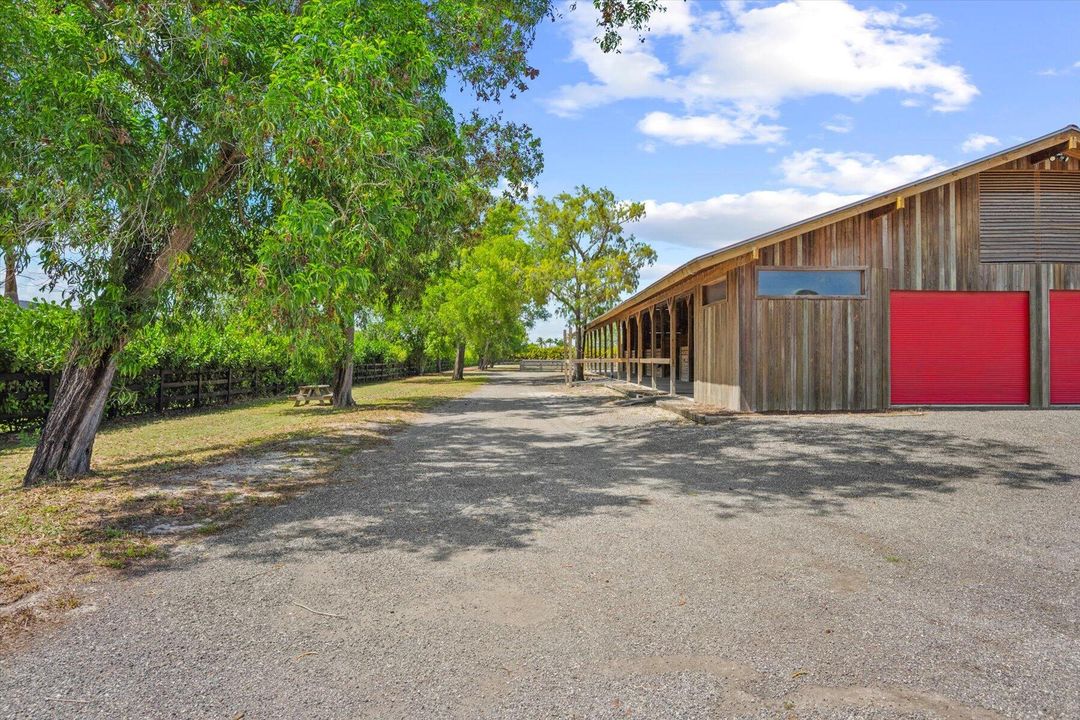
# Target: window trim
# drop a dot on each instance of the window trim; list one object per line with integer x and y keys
{"x": 862, "y": 269}
{"x": 704, "y": 302}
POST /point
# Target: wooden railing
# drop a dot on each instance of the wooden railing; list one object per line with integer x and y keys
{"x": 534, "y": 364}
{"x": 635, "y": 366}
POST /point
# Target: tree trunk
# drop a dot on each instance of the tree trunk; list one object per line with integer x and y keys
{"x": 343, "y": 373}
{"x": 11, "y": 282}
{"x": 482, "y": 363}
{"x": 67, "y": 440}
{"x": 459, "y": 362}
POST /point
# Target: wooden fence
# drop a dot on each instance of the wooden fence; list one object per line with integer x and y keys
{"x": 25, "y": 397}
{"x": 532, "y": 364}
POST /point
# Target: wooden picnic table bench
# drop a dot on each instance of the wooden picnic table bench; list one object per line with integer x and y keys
{"x": 307, "y": 393}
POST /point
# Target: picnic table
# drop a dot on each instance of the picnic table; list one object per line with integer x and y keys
{"x": 307, "y": 393}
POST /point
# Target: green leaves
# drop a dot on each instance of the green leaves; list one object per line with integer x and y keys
{"x": 489, "y": 295}
{"x": 165, "y": 150}
{"x": 585, "y": 260}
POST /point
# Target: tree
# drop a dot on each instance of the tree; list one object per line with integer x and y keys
{"x": 489, "y": 296}
{"x": 353, "y": 221}
{"x": 150, "y": 139}
{"x": 586, "y": 262}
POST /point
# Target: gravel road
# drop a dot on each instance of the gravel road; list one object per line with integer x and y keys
{"x": 534, "y": 552}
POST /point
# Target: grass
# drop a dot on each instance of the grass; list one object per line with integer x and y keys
{"x": 199, "y": 471}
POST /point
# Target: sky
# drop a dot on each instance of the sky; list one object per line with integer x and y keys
{"x": 735, "y": 118}
{"x": 731, "y": 119}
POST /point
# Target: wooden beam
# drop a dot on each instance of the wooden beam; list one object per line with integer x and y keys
{"x": 1046, "y": 154}
{"x": 672, "y": 347}
{"x": 880, "y": 212}
{"x": 640, "y": 343}
{"x": 691, "y": 311}
{"x": 653, "y": 346}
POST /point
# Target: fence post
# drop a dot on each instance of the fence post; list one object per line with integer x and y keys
{"x": 254, "y": 383}
{"x": 161, "y": 390}
{"x": 228, "y": 387}
{"x": 198, "y": 388}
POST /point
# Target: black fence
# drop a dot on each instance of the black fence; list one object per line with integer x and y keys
{"x": 25, "y": 398}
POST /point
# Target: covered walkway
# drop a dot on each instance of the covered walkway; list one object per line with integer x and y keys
{"x": 652, "y": 347}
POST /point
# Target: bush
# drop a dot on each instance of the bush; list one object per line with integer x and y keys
{"x": 532, "y": 351}
{"x": 36, "y": 340}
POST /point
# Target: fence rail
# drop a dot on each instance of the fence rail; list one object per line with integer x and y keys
{"x": 541, "y": 364}
{"x": 25, "y": 398}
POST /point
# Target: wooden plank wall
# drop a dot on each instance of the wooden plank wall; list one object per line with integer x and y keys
{"x": 716, "y": 348}
{"x": 795, "y": 354}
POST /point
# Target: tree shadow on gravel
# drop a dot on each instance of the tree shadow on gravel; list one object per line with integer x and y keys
{"x": 491, "y": 472}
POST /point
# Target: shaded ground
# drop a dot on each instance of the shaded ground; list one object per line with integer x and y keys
{"x": 164, "y": 477}
{"x": 535, "y": 552}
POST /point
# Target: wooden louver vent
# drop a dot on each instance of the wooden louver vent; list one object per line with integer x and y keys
{"x": 1028, "y": 216}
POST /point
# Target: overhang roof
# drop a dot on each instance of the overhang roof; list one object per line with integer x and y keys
{"x": 711, "y": 259}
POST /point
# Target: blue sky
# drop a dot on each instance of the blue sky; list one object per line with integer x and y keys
{"x": 732, "y": 119}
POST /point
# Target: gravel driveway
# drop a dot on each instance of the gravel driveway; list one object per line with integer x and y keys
{"x": 533, "y": 552}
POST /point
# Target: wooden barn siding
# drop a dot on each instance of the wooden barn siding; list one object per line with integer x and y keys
{"x": 716, "y": 346}
{"x": 833, "y": 354}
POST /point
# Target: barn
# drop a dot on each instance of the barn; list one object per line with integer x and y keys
{"x": 959, "y": 289}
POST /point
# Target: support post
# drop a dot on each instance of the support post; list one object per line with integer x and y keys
{"x": 673, "y": 346}
{"x": 640, "y": 343}
{"x": 592, "y": 350}
{"x": 653, "y": 344}
{"x": 607, "y": 350}
{"x": 690, "y": 312}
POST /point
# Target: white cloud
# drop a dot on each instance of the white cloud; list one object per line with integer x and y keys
{"x": 726, "y": 219}
{"x": 839, "y": 123}
{"x": 713, "y": 129}
{"x": 1054, "y": 72}
{"x": 735, "y": 61}
{"x": 651, "y": 274}
{"x": 855, "y": 172}
{"x": 977, "y": 142}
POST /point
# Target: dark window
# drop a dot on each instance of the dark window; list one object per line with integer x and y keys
{"x": 714, "y": 293}
{"x": 800, "y": 283}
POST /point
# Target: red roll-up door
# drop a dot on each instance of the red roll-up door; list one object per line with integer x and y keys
{"x": 960, "y": 348}
{"x": 1065, "y": 347}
